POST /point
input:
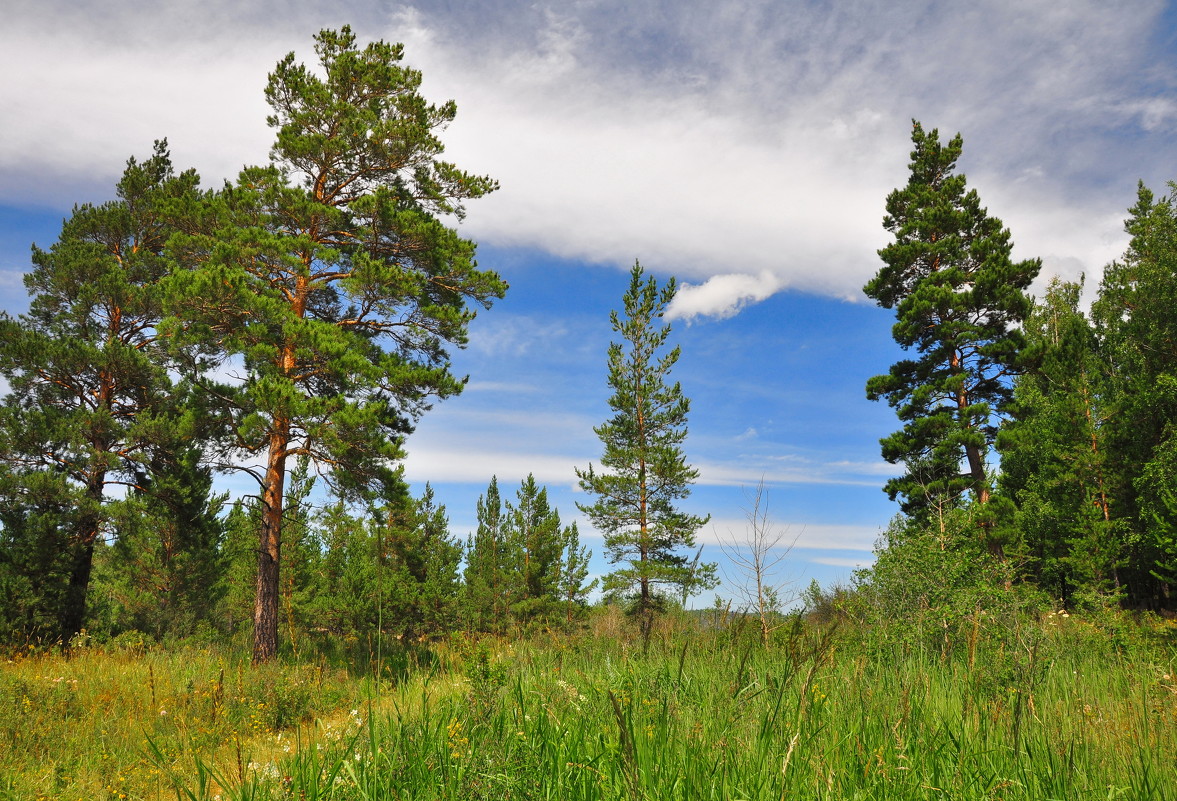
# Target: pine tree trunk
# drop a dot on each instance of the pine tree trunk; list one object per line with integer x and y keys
{"x": 266, "y": 603}
{"x": 977, "y": 473}
{"x": 73, "y": 614}
{"x": 265, "y": 609}
{"x": 973, "y": 454}
{"x": 644, "y": 528}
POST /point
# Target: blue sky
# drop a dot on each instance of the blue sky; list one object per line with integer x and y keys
{"x": 744, "y": 147}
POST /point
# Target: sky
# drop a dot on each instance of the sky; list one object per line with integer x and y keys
{"x": 745, "y": 148}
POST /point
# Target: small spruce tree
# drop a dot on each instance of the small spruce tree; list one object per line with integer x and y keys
{"x": 537, "y": 543}
{"x": 574, "y": 570}
{"x": 487, "y": 566}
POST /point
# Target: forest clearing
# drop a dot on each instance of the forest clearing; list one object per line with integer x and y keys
{"x": 1050, "y": 708}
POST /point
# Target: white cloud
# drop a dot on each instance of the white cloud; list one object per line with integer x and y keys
{"x": 1042, "y": 230}
{"x": 79, "y": 102}
{"x": 722, "y": 295}
{"x": 744, "y": 148}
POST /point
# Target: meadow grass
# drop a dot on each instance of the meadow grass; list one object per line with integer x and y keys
{"x": 1050, "y": 710}
{"x": 98, "y": 723}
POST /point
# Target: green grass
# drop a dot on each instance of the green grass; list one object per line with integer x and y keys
{"x": 810, "y": 723}
{"x": 1050, "y": 711}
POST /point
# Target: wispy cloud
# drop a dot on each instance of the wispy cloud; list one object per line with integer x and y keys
{"x": 469, "y": 445}
{"x": 879, "y": 468}
{"x": 841, "y": 561}
{"x": 516, "y": 335}
{"x": 798, "y": 535}
{"x": 477, "y": 466}
{"x": 11, "y": 277}
{"x": 473, "y": 445}
{"x": 748, "y": 470}
{"x": 742, "y": 474}
{"x": 500, "y": 386}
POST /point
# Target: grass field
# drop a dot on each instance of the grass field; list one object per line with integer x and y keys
{"x": 1053, "y": 709}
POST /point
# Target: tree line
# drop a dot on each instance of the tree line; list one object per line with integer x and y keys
{"x": 393, "y": 570}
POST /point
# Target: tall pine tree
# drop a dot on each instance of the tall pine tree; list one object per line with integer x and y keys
{"x": 332, "y": 276}
{"x": 645, "y": 470}
{"x": 959, "y": 299}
